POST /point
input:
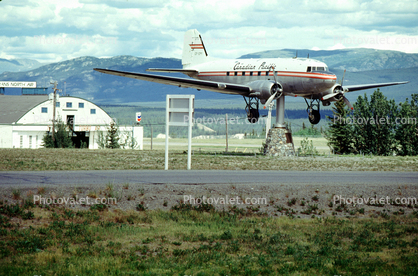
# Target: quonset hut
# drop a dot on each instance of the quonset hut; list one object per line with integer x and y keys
{"x": 25, "y": 119}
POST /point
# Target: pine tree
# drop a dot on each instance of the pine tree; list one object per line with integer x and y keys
{"x": 62, "y": 137}
{"x": 340, "y": 133}
{"x": 374, "y": 124}
{"x": 407, "y": 128}
{"x": 112, "y": 136}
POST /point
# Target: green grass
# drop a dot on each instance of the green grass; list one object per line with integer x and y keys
{"x": 197, "y": 240}
{"x": 84, "y": 159}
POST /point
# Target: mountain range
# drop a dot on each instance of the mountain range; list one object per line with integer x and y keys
{"x": 363, "y": 66}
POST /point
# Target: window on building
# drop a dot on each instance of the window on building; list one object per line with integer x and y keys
{"x": 80, "y": 105}
{"x": 44, "y": 110}
{"x": 69, "y": 105}
{"x": 57, "y": 104}
{"x": 93, "y": 111}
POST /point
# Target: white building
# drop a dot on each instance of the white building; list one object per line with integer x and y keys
{"x": 24, "y": 120}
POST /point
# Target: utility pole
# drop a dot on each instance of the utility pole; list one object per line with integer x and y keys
{"x": 151, "y": 137}
{"x": 226, "y": 125}
{"x": 54, "y": 103}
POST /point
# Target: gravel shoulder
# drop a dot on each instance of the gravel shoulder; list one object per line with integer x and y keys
{"x": 293, "y": 200}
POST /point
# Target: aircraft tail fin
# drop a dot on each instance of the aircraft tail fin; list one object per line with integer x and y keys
{"x": 194, "y": 51}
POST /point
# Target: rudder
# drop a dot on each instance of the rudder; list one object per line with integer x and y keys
{"x": 194, "y": 51}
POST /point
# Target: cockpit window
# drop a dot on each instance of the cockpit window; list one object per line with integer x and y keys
{"x": 320, "y": 69}
{"x": 309, "y": 69}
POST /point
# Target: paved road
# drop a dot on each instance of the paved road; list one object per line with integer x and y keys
{"x": 205, "y": 177}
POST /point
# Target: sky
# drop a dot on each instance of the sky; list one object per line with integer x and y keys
{"x": 57, "y": 30}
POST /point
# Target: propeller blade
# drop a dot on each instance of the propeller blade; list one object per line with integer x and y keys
{"x": 272, "y": 97}
{"x": 274, "y": 75}
{"x": 347, "y": 102}
{"x": 270, "y": 100}
{"x": 329, "y": 96}
{"x": 342, "y": 80}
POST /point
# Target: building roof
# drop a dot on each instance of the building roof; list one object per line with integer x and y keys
{"x": 12, "y": 108}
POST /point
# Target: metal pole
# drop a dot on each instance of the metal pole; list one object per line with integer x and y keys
{"x": 226, "y": 125}
{"x": 167, "y": 129}
{"x": 151, "y": 137}
{"x": 268, "y": 122}
{"x": 189, "y": 150}
{"x": 280, "y": 112}
{"x": 54, "y": 103}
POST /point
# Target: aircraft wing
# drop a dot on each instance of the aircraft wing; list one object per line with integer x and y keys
{"x": 351, "y": 88}
{"x": 226, "y": 88}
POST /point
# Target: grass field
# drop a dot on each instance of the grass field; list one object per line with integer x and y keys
{"x": 48, "y": 240}
{"x": 206, "y": 159}
{"x": 199, "y": 240}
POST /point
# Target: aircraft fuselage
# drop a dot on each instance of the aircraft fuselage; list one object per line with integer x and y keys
{"x": 298, "y": 77}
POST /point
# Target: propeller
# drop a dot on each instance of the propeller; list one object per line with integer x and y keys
{"x": 277, "y": 88}
{"x": 346, "y": 101}
{"x": 339, "y": 95}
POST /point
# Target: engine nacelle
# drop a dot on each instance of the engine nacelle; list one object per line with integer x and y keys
{"x": 264, "y": 89}
{"x": 334, "y": 94}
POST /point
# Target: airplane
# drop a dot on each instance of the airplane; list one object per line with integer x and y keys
{"x": 257, "y": 80}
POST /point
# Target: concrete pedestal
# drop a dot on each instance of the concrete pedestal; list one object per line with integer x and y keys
{"x": 279, "y": 142}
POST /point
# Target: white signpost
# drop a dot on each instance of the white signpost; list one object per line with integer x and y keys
{"x": 179, "y": 112}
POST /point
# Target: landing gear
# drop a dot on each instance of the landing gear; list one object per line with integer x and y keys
{"x": 252, "y": 109}
{"x": 313, "y": 111}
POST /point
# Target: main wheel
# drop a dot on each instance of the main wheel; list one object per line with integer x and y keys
{"x": 314, "y": 117}
{"x": 253, "y": 116}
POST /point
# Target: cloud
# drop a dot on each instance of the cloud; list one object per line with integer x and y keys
{"x": 156, "y": 28}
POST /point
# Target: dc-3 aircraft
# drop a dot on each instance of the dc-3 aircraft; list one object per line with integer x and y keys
{"x": 257, "y": 80}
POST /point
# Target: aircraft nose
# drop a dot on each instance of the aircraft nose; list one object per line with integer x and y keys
{"x": 333, "y": 75}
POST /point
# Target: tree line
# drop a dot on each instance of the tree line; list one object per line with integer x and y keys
{"x": 376, "y": 126}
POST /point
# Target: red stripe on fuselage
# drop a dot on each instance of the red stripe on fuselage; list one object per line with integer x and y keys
{"x": 263, "y": 73}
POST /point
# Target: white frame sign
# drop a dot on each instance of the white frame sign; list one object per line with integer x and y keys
{"x": 179, "y": 112}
